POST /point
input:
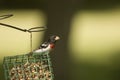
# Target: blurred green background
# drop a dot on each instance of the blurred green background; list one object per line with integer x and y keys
{"x": 89, "y": 31}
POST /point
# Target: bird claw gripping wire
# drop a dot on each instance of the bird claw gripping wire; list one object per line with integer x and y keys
{"x": 34, "y": 29}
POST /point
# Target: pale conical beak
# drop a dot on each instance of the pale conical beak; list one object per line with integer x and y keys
{"x": 57, "y": 38}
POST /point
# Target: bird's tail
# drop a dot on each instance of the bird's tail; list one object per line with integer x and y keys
{"x": 29, "y": 54}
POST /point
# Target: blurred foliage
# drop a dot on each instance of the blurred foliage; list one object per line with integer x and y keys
{"x": 96, "y": 71}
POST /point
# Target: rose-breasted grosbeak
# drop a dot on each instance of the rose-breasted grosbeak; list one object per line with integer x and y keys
{"x": 47, "y": 46}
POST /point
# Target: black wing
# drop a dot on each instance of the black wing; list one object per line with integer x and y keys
{"x": 44, "y": 45}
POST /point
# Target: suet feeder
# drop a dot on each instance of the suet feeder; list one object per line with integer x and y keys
{"x": 25, "y": 67}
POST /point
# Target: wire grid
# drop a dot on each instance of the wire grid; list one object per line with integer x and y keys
{"x": 22, "y": 67}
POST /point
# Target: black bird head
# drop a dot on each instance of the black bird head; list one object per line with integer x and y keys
{"x": 53, "y": 39}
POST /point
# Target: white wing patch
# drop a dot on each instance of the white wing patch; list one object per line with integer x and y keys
{"x": 43, "y": 49}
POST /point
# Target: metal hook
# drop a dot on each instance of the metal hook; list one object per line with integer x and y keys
{"x": 34, "y": 29}
{"x": 5, "y": 16}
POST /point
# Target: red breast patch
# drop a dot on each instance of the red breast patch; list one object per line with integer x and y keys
{"x": 52, "y": 45}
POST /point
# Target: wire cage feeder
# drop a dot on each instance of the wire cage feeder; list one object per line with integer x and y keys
{"x": 24, "y": 67}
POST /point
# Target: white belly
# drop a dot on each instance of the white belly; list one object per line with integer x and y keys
{"x": 43, "y": 50}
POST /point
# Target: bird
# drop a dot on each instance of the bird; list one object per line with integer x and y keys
{"x": 47, "y": 46}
